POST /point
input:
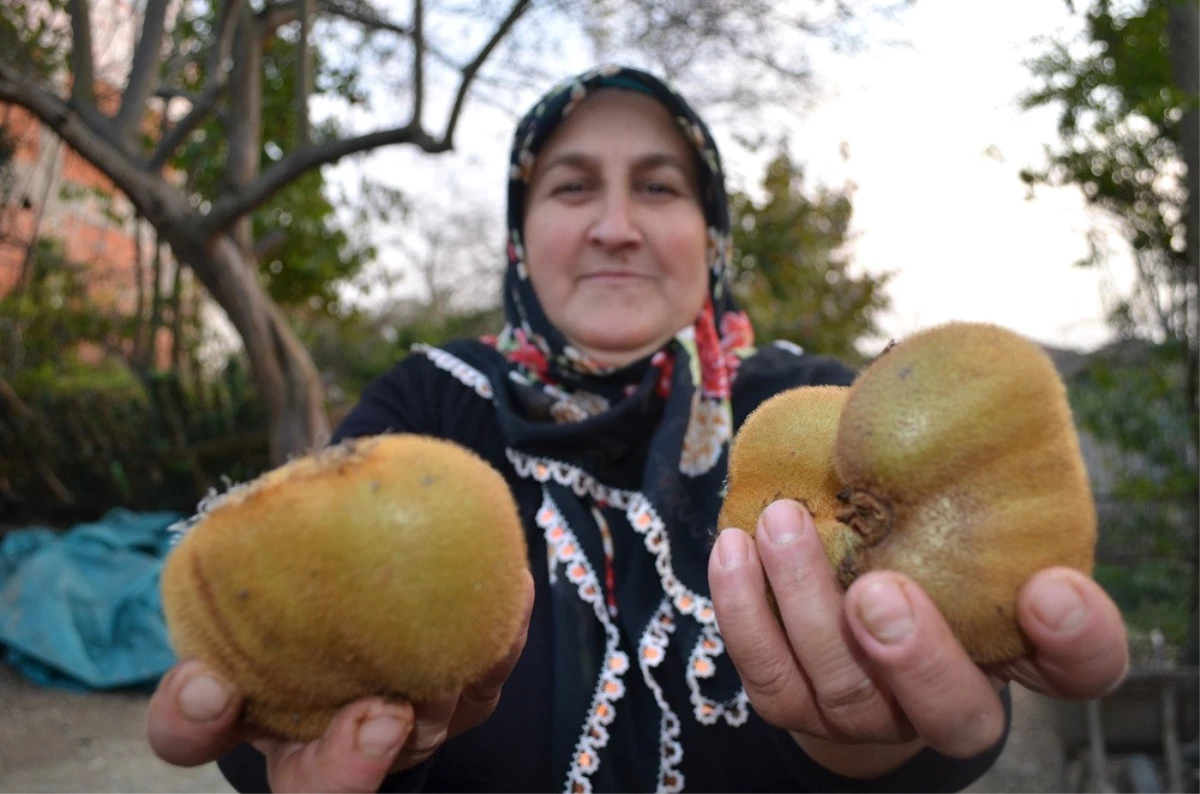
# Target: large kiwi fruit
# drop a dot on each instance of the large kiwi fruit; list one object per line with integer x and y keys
{"x": 956, "y": 462}
{"x": 391, "y": 565}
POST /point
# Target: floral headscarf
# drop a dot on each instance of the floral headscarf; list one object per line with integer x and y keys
{"x": 576, "y": 386}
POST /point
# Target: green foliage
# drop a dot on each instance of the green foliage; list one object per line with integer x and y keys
{"x": 469, "y": 324}
{"x": 1151, "y": 594}
{"x": 49, "y": 316}
{"x": 158, "y": 443}
{"x": 1119, "y": 129}
{"x": 305, "y": 249}
{"x": 1120, "y": 142}
{"x": 791, "y": 269}
{"x": 1130, "y": 399}
{"x": 1136, "y": 403}
{"x": 353, "y": 351}
{"x": 33, "y": 37}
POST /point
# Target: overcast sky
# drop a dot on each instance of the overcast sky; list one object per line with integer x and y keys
{"x": 936, "y": 141}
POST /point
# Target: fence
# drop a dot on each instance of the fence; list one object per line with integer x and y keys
{"x": 1142, "y": 737}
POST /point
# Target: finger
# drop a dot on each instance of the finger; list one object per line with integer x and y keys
{"x": 192, "y": 717}
{"x": 355, "y": 753}
{"x": 811, "y": 605}
{"x": 429, "y": 731}
{"x": 1081, "y": 649}
{"x": 479, "y": 700}
{"x": 950, "y": 702}
{"x": 755, "y": 641}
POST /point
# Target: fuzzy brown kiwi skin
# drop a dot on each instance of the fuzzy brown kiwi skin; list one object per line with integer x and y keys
{"x": 963, "y": 472}
{"x": 305, "y": 609}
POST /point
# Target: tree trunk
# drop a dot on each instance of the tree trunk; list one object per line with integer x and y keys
{"x": 1182, "y": 26}
{"x": 284, "y": 375}
{"x": 283, "y": 372}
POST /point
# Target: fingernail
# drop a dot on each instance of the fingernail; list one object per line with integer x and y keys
{"x": 1057, "y": 604}
{"x": 780, "y": 522}
{"x": 203, "y": 698}
{"x": 381, "y": 736}
{"x": 884, "y": 610}
{"x": 731, "y": 548}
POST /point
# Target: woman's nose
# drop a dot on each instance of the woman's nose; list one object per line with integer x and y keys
{"x": 615, "y": 227}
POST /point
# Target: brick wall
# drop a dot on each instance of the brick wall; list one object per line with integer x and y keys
{"x": 33, "y": 203}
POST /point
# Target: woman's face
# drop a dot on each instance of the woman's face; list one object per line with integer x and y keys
{"x": 615, "y": 237}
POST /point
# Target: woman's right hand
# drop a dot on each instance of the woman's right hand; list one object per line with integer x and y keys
{"x": 194, "y": 718}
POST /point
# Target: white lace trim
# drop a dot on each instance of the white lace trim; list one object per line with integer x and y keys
{"x": 679, "y": 600}
{"x": 461, "y": 370}
{"x": 564, "y": 551}
{"x": 543, "y": 470}
{"x": 651, "y": 650}
{"x": 568, "y": 554}
{"x": 702, "y": 664}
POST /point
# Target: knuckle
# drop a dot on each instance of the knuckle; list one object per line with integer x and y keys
{"x": 778, "y": 695}
{"x": 772, "y": 680}
{"x": 428, "y": 740}
{"x": 856, "y": 708}
{"x": 851, "y": 694}
{"x": 480, "y": 699}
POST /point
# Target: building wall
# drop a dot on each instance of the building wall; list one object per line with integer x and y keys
{"x": 57, "y": 194}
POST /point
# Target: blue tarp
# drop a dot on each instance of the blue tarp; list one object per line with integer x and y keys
{"x": 81, "y": 609}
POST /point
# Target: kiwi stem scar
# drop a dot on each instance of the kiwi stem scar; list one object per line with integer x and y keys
{"x": 866, "y": 514}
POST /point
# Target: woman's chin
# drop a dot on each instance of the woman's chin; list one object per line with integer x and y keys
{"x": 617, "y": 351}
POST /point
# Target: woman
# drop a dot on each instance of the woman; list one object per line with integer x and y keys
{"x": 608, "y": 402}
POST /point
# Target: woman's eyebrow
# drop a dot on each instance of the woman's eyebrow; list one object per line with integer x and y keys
{"x": 582, "y": 160}
{"x": 656, "y": 159}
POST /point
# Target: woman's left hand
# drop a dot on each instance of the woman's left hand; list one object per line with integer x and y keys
{"x": 877, "y": 664}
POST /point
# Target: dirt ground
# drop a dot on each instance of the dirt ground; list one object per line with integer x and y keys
{"x": 57, "y": 741}
{"x": 54, "y": 740}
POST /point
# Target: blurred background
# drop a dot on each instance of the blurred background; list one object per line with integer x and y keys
{"x": 219, "y": 220}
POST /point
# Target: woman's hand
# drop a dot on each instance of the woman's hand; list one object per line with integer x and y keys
{"x": 193, "y": 719}
{"x": 878, "y": 664}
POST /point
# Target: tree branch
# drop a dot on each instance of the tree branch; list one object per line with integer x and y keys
{"x": 375, "y": 24}
{"x": 368, "y": 21}
{"x": 227, "y": 210}
{"x": 469, "y": 71}
{"x": 268, "y": 244}
{"x": 306, "y": 10}
{"x": 143, "y": 73}
{"x": 83, "y": 89}
{"x": 243, "y": 133}
{"x": 418, "y": 60}
{"x": 274, "y": 16}
{"x": 70, "y": 124}
{"x": 218, "y": 68}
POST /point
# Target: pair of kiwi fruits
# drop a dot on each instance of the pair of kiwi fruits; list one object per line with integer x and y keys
{"x": 952, "y": 459}
{"x": 391, "y": 565}
{"x": 394, "y": 565}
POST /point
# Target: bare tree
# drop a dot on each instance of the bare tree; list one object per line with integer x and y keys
{"x": 215, "y": 239}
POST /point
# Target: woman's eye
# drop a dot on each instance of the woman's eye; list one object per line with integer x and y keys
{"x": 660, "y": 189}
{"x": 568, "y": 188}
